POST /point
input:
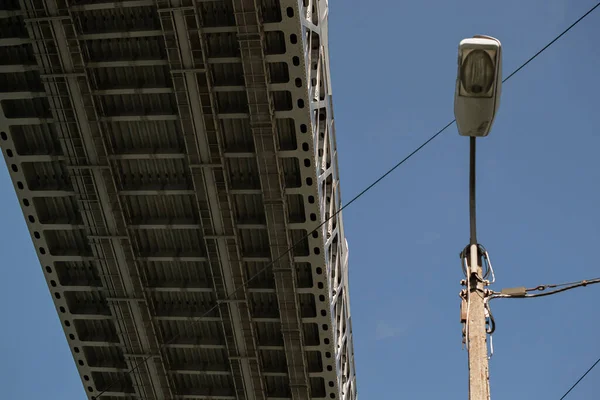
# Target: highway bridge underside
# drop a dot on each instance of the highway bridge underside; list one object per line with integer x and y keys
{"x": 164, "y": 154}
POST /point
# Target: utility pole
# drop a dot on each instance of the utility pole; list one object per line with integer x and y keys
{"x": 476, "y": 101}
{"x": 479, "y": 378}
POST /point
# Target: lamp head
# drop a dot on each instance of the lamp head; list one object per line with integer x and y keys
{"x": 478, "y": 85}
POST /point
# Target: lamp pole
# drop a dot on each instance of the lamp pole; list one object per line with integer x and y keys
{"x": 476, "y": 100}
{"x": 479, "y": 383}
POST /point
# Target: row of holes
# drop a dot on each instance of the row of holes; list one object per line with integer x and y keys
{"x": 303, "y": 127}
{"x": 20, "y": 186}
{"x": 42, "y": 250}
{"x": 68, "y": 324}
{"x": 311, "y": 200}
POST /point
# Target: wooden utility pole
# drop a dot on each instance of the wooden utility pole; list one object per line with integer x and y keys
{"x": 479, "y": 379}
{"x": 474, "y": 317}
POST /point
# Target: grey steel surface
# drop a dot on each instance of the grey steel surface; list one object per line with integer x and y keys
{"x": 164, "y": 153}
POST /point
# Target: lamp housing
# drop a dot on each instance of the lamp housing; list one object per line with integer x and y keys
{"x": 478, "y": 85}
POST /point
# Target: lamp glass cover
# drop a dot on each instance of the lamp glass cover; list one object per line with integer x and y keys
{"x": 477, "y": 73}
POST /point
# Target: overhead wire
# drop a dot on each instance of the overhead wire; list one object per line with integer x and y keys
{"x": 355, "y": 198}
{"x": 552, "y": 42}
{"x": 555, "y": 285}
{"x": 580, "y": 379}
{"x": 524, "y": 293}
{"x": 563, "y": 287}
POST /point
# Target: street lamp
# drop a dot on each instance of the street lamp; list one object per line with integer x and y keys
{"x": 477, "y": 97}
{"x": 476, "y": 101}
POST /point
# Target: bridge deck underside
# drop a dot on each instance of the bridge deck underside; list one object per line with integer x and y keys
{"x": 157, "y": 182}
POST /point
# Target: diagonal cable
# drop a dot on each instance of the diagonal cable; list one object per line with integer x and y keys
{"x": 359, "y": 195}
{"x": 551, "y": 42}
{"x": 580, "y": 379}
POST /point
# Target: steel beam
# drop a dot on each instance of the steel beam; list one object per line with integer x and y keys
{"x": 250, "y": 32}
{"x": 70, "y": 71}
{"x": 179, "y": 26}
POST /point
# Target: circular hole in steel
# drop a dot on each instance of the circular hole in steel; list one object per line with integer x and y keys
{"x": 317, "y": 250}
{"x": 298, "y": 82}
{"x": 313, "y": 216}
{"x": 14, "y": 167}
{"x": 307, "y": 162}
{"x": 26, "y": 202}
{"x": 296, "y": 61}
{"x": 3, "y": 135}
{"x": 290, "y": 12}
{"x": 300, "y": 103}
{"x": 20, "y": 185}
{"x": 71, "y": 336}
{"x": 9, "y": 153}
{"x": 311, "y": 199}
{"x": 303, "y": 128}
{"x": 309, "y": 181}
{"x": 293, "y": 38}
{"x": 62, "y": 310}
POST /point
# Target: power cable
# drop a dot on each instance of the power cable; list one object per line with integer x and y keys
{"x": 580, "y": 379}
{"x": 552, "y": 42}
{"x": 564, "y": 286}
{"x": 555, "y": 285}
{"x": 359, "y": 195}
{"x": 523, "y": 293}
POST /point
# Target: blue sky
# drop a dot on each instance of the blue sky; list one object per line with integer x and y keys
{"x": 393, "y": 72}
